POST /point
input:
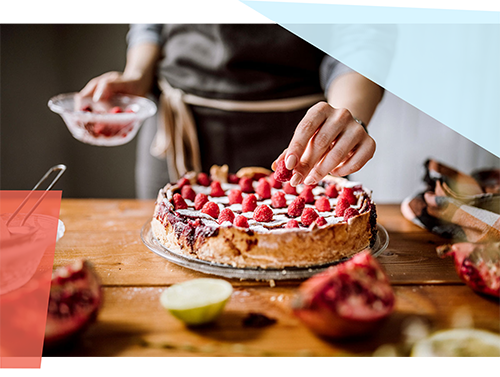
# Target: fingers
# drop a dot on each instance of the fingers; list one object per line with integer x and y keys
{"x": 305, "y": 130}
{"x": 103, "y": 87}
{"x": 280, "y": 157}
{"x": 361, "y": 155}
{"x": 327, "y": 140}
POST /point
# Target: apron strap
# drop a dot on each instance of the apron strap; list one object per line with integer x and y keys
{"x": 176, "y": 139}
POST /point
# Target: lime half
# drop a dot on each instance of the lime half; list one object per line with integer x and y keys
{"x": 197, "y": 301}
{"x": 459, "y": 342}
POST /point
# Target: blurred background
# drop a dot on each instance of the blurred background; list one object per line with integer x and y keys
{"x": 40, "y": 61}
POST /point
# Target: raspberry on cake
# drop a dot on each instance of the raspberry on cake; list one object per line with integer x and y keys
{"x": 249, "y": 203}
{"x": 348, "y": 193}
{"x": 216, "y": 190}
{"x": 307, "y": 194}
{"x": 308, "y": 216}
{"x": 246, "y": 184}
{"x": 342, "y": 205}
{"x": 203, "y": 179}
{"x": 278, "y": 200}
{"x": 226, "y": 215}
{"x": 331, "y": 191}
{"x": 350, "y": 212}
{"x": 273, "y": 182}
{"x": 263, "y": 214}
{"x": 246, "y": 229}
{"x": 322, "y": 204}
{"x": 211, "y": 209}
{"x": 296, "y": 207}
{"x": 179, "y": 202}
{"x": 241, "y": 221}
{"x": 263, "y": 189}
{"x": 200, "y": 200}
{"x": 187, "y": 192}
{"x": 289, "y": 189}
{"x": 292, "y": 224}
{"x": 235, "y": 197}
{"x": 320, "y": 221}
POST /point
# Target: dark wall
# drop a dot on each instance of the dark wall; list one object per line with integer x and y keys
{"x": 38, "y": 62}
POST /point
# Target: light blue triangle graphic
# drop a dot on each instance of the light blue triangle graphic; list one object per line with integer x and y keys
{"x": 446, "y": 63}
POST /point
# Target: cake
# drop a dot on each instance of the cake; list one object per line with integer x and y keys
{"x": 247, "y": 220}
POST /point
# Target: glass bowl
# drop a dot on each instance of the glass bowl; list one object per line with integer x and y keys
{"x": 104, "y": 123}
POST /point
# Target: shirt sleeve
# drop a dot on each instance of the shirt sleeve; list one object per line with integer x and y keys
{"x": 329, "y": 70}
{"x": 144, "y": 33}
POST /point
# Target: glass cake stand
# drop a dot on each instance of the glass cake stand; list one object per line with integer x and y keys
{"x": 248, "y": 273}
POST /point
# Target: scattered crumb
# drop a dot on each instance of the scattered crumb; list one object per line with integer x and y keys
{"x": 272, "y": 283}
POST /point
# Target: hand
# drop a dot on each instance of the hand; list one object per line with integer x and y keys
{"x": 105, "y": 86}
{"x": 327, "y": 140}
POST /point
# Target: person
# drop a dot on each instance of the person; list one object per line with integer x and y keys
{"x": 242, "y": 95}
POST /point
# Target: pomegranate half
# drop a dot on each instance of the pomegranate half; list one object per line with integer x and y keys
{"x": 349, "y": 299}
{"x": 75, "y": 298}
{"x": 478, "y": 265}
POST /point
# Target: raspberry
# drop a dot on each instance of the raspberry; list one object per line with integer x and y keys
{"x": 235, "y": 196}
{"x": 331, "y": 191}
{"x": 323, "y": 204}
{"x": 216, "y": 189}
{"x": 350, "y": 212}
{"x": 226, "y": 215}
{"x": 292, "y": 224}
{"x": 211, "y": 209}
{"x": 348, "y": 193}
{"x": 183, "y": 182}
{"x": 263, "y": 213}
{"x": 116, "y": 110}
{"x": 320, "y": 221}
{"x": 241, "y": 222}
{"x": 246, "y": 184}
{"x": 187, "y": 192}
{"x": 278, "y": 200}
{"x": 282, "y": 174}
{"x": 296, "y": 207}
{"x": 199, "y": 201}
{"x": 179, "y": 202}
{"x": 289, "y": 189}
{"x": 263, "y": 189}
{"x": 307, "y": 194}
{"x": 203, "y": 179}
{"x": 249, "y": 203}
{"x": 233, "y": 178}
{"x": 273, "y": 182}
{"x": 342, "y": 205}
{"x": 308, "y": 216}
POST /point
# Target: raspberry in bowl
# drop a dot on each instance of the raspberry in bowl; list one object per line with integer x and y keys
{"x": 104, "y": 123}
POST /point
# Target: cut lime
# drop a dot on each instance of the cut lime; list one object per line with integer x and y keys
{"x": 459, "y": 342}
{"x": 197, "y": 301}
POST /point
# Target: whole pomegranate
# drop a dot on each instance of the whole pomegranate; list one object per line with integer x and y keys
{"x": 75, "y": 298}
{"x": 349, "y": 299}
{"x": 478, "y": 265}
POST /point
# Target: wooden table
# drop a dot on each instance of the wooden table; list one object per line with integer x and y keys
{"x": 132, "y": 322}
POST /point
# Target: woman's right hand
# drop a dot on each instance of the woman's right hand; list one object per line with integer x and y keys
{"x": 106, "y": 85}
{"x": 136, "y": 79}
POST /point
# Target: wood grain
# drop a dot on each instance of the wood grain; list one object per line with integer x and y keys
{"x": 132, "y": 322}
{"x": 132, "y": 316}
